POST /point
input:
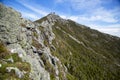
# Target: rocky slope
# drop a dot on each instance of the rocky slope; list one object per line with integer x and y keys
{"x": 53, "y": 48}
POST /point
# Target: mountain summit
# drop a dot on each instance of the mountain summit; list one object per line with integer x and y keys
{"x": 53, "y": 48}
{"x": 52, "y": 17}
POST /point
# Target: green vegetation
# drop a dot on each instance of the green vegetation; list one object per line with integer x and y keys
{"x": 41, "y": 20}
{"x": 82, "y": 62}
{"x": 70, "y": 77}
{"x": 3, "y": 51}
{"x": 96, "y": 58}
{"x": 35, "y": 34}
{"x": 22, "y": 66}
{"x": 48, "y": 66}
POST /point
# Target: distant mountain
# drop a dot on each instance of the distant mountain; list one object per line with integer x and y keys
{"x": 53, "y": 48}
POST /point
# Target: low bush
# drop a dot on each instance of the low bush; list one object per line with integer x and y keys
{"x": 3, "y": 51}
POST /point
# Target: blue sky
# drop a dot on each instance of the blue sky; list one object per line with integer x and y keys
{"x": 103, "y": 15}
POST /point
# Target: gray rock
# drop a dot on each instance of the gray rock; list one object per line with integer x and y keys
{"x": 10, "y": 60}
{"x": 17, "y": 34}
{"x": 37, "y": 71}
{"x": 19, "y": 73}
{"x": 16, "y": 48}
{"x": 9, "y": 24}
{"x": 48, "y": 31}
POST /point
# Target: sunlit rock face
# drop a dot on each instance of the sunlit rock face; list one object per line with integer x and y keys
{"x": 17, "y": 34}
{"x": 58, "y": 49}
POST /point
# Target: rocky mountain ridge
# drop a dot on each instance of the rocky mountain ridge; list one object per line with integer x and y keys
{"x": 55, "y": 49}
{"x": 19, "y": 36}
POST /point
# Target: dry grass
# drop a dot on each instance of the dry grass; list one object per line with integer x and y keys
{"x": 3, "y": 51}
{"x": 36, "y": 44}
{"x": 23, "y": 25}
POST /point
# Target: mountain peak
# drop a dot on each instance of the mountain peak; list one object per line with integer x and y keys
{"x": 52, "y": 17}
{"x": 53, "y": 14}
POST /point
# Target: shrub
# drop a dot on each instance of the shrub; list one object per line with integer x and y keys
{"x": 49, "y": 67}
{"x": 35, "y": 34}
{"x": 15, "y": 57}
{"x": 23, "y": 66}
{"x": 4, "y": 55}
{"x": 36, "y": 44}
{"x": 23, "y": 25}
{"x": 3, "y": 51}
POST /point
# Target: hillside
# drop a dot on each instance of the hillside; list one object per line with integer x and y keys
{"x": 53, "y": 48}
{"x": 87, "y": 54}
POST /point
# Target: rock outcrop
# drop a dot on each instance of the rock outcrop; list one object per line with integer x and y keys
{"x": 25, "y": 38}
{"x": 17, "y": 71}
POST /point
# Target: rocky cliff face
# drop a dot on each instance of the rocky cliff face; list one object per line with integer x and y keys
{"x": 27, "y": 40}
{"x": 55, "y": 49}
